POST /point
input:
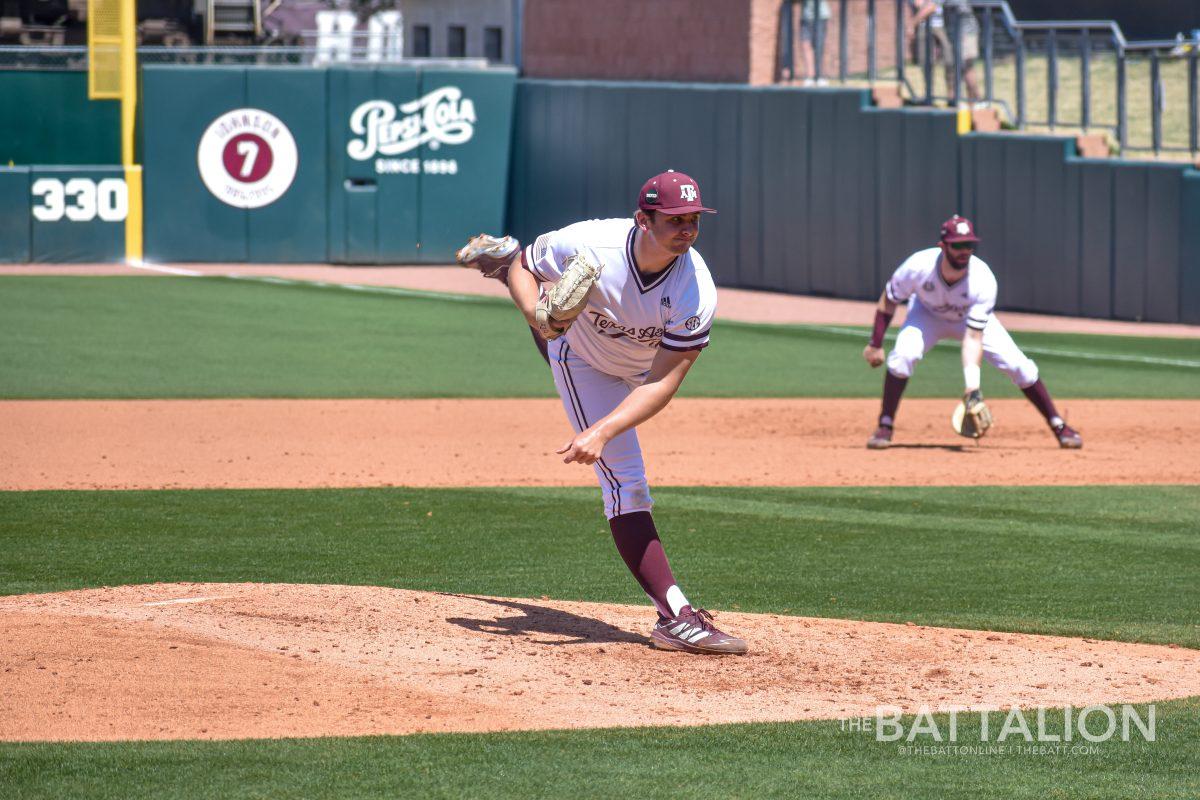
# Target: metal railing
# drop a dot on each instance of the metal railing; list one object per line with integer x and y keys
{"x": 75, "y": 58}
{"x": 1023, "y": 65}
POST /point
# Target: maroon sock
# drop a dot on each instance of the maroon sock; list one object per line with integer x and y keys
{"x": 1040, "y": 397}
{"x": 638, "y": 543}
{"x": 893, "y": 388}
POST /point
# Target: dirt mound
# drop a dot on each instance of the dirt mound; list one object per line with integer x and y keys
{"x": 224, "y": 661}
{"x": 154, "y": 444}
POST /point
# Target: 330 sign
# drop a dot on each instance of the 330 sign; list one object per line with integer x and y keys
{"x": 80, "y": 200}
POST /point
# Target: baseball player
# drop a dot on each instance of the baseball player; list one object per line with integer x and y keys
{"x": 621, "y": 360}
{"x": 951, "y": 293}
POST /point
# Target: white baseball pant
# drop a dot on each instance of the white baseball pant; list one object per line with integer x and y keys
{"x": 922, "y": 330}
{"x": 587, "y": 396}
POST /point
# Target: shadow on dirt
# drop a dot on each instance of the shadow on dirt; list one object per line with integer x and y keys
{"x": 566, "y": 628}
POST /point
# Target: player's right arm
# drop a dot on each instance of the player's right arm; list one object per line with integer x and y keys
{"x": 666, "y": 375}
{"x": 541, "y": 262}
{"x": 523, "y": 288}
{"x": 898, "y": 289}
{"x": 884, "y": 311}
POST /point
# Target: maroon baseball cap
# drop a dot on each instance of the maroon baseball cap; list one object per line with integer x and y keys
{"x": 672, "y": 192}
{"x": 958, "y": 229}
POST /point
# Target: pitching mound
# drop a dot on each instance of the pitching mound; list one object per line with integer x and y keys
{"x": 226, "y": 661}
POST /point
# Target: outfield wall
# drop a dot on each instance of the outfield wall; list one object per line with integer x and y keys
{"x": 818, "y": 192}
{"x": 47, "y": 119}
{"x": 350, "y": 165}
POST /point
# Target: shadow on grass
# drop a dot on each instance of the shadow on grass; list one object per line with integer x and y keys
{"x": 567, "y": 628}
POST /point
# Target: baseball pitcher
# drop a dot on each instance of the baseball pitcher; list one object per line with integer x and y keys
{"x": 624, "y": 307}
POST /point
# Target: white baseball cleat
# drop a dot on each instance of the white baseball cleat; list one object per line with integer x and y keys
{"x": 694, "y": 632}
{"x": 881, "y": 439}
{"x": 485, "y": 245}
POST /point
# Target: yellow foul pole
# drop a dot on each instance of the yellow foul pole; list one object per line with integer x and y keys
{"x": 129, "y": 96}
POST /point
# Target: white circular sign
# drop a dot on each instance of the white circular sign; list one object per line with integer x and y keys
{"x": 247, "y": 158}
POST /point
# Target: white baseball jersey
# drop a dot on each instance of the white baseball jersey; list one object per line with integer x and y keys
{"x": 630, "y": 314}
{"x": 971, "y": 298}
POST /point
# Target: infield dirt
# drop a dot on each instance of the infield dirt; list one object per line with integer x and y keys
{"x": 226, "y": 661}
{"x": 157, "y": 444}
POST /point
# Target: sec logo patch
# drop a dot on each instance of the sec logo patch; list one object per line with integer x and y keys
{"x": 692, "y": 323}
{"x": 247, "y": 158}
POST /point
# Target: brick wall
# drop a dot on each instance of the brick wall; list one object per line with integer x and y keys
{"x": 672, "y": 40}
{"x": 727, "y": 41}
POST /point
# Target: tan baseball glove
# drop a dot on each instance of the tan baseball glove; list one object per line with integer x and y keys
{"x": 972, "y": 417}
{"x": 558, "y": 307}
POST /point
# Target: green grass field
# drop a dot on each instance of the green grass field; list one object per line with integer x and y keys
{"x": 1112, "y": 562}
{"x": 795, "y": 760}
{"x": 155, "y": 337}
{"x": 1055, "y": 560}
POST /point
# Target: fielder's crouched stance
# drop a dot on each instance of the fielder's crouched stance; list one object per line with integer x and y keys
{"x": 951, "y": 294}
{"x": 619, "y": 359}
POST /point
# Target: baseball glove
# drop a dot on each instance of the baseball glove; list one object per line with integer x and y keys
{"x": 558, "y": 307}
{"x": 972, "y": 417}
{"x": 490, "y": 255}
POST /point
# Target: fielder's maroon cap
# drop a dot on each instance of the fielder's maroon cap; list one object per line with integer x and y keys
{"x": 672, "y": 192}
{"x": 958, "y": 229}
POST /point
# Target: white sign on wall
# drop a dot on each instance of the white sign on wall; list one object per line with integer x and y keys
{"x": 80, "y": 200}
{"x": 247, "y": 158}
{"x": 382, "y": 128}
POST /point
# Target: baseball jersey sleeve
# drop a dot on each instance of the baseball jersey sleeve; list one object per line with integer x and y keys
{"x": 544, "y": 258}
{"x": 984, "y": 302}
{"x": 903, "y": 282}
{"x": 690, "y": 323}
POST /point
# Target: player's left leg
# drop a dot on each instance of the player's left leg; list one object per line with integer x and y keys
{"x": 1002, "y": 352}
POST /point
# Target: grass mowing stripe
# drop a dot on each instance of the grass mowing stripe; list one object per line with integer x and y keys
{"x": 850, "y": 331}
{"x": 817, "y": 759}
{"x": 1036, "y": 351}
{"x": 395, "y": 291}
{"x": 1103, "y": 562}
{"x": 145, "y": 337}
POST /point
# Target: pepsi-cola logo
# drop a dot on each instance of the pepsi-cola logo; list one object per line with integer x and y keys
{"x": 247, "y": 158}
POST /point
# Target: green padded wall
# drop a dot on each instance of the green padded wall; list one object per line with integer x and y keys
{"x": 392, "y": 164}
{"x": 15, "y": 225}
{"x": 815, "y": 192}
{"x": 48, "y": 119}
{"x": 77, "y": 214}
{"x": 1189, "y": 247}
{"x": 185, "y": 221}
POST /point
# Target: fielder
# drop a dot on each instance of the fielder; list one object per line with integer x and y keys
{"x": 951, "y": 294}
{"x": 625, "y": 307}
